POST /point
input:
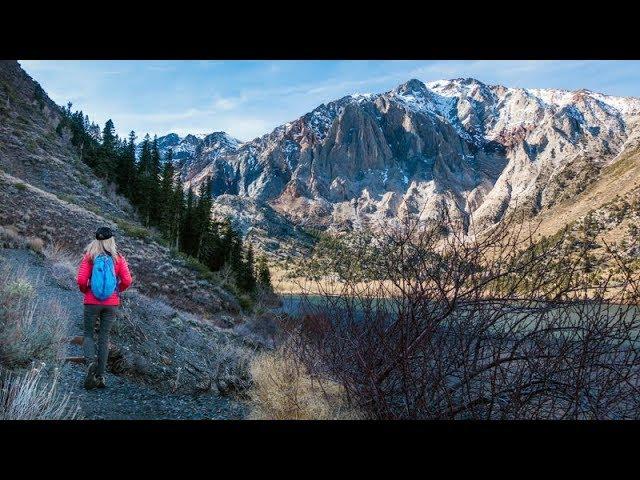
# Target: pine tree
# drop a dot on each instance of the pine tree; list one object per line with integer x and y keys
{"x": 155, "y": 207}
{"x": 105, "y": 162}
{"x": 231, "y": 244}
{"x": 247, "y": 278}
{"x": 108, "y": 137}
{"x": 178, "y": 208}
{"x": 202, "y": 217}
{"x": 166, "y": 196}
{"x": 142, "y": 195}
{"x": 589, "y": 233}
{"x": 126, "y": 174}
{"x": 188, "y": 233}
{"x": 263, "y": 274}
{"x": 213, "y": 254}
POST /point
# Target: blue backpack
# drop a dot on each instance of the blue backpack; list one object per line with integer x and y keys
{"x": 103, "y": 277}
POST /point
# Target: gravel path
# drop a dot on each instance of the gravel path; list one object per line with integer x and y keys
{"x": 123, "y": 398}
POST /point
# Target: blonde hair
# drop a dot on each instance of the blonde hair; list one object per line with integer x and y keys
{"x": 96, "y": 247}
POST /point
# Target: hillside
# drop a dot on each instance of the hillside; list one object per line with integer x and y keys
{"x": 180, "y": 333}
{"x": 48, "y": 192}
{"x": 159, "y": 358}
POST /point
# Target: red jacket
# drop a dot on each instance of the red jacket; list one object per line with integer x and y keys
{"x": 84, "y": 277}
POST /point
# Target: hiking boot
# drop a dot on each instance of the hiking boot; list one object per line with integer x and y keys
{"x": 90, "y": 380}
{"x": 100, "y": 382}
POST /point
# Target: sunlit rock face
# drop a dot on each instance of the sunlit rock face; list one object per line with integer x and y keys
{"x": 459, "y": 145}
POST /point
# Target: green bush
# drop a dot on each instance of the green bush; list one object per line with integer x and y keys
{"x": 38, "y": 95}
{"x": 67, "y": 198}
{"x": 18, "y": 288}
{"x": 94, "y": 209}
{"x": 8, "y": 91}
{"x": 197, "y": 265}
{"x": 132, "y": 230}
{"x": 162, "y": 241}
{"x": 246, "y": 302}
{"x": 84, "y": 181}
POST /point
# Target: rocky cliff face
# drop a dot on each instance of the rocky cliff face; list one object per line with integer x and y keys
{"x": 475, "y": 150}
{"x": 192, "y": 154}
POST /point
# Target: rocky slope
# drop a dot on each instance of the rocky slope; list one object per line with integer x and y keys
{"x": 47, "y": 192}
{"x": 192, "y": 154}
{"x": 178, "y": 334}
{"x": 476, "y": 150}
{"x": 159, "y": 359}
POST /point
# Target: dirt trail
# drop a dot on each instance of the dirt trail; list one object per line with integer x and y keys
{"x": 123, "y": 398}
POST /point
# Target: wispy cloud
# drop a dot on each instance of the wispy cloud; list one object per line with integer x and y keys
{"x": 228, "y": 103}
{"x": 249, "y": 98}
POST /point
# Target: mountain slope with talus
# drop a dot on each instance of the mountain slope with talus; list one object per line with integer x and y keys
{"x": 47, "y": 191}
{"x": 178, "y": 333}
{"x": 474, "y": 150}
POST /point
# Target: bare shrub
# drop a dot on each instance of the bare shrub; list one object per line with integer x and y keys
{"x": 36, "y": 244}
{"x": 57, "y": 252}
{"x": 425, "y": 322}
{"x": 283, "y": 389}
{"x": 230, "y": 367}
{"x": 11, "y": 238}
{"x": 29, "y": 328}
{"x": 31, "y": 396}
{"x": 261, "y": 330}
{"x": 63, "y": 266}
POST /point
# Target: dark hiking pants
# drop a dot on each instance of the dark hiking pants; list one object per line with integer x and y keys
{"x": 106, "y": 314}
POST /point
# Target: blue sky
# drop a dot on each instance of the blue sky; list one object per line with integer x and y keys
{"x": 250, "y": 98}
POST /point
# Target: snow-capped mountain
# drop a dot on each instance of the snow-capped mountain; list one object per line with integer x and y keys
{"x": 476, "y": 149}
{"x": 192, "y": 153}
{"x": 182, "y": 147}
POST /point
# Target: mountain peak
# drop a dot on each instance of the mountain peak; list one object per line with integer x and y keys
{"x": 413, "y": 86}
{"x": 467, "y": 81}
{"x": 221, "y": 139}
{"x": 171, "y": 137}
{"x": 191, "y": 137}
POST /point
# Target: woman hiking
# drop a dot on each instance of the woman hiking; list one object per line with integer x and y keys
{"x": 103, "y": 273}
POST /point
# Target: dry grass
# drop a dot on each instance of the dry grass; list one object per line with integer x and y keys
{"x": 230, "y": 367}
{"x": 57, "y": 253}
{"x": 30, "y": 329}
{"x": 284, "y": 283}
{"x": 283, "y": 389}
{"x": 31, "y": 396}
{"x": 619, "y": 178}
{"x": 11, "y": 238}
{"x": 36, "y": 244}
{"x": 63, "y": 264}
